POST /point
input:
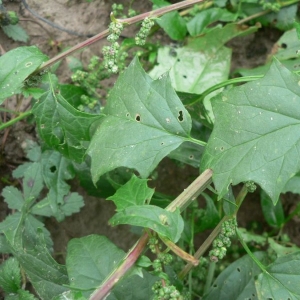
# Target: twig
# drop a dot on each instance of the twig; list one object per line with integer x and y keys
{"x": 128, "y": 21}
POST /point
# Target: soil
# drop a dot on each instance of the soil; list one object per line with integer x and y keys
{"x": 90, "y": 18}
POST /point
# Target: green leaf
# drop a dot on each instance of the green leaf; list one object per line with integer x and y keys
{"x": 72, "y": 93}
{"x": 174, "y": 25}
{"x": 21, "y": 295}
{"x": 13, "y": 197}
{"x": 10, "y": 276}
{"x": 211, "y": 216}
{"x": 144, "y": 122}
{"x": 274, "y": 214}
{"x": 16, "y": 66}
{"x": 236, "y": 281}
{"x": 31, "y": 224}
{"x": 165, "y": 223}
{"x": 61, "y": 126}
{"x": 293, "y": 185}
{"x": 281, "y": 250}
{"x": 71, "y": 204}
{"x": 33, "y": 181}
{"x": 133, "y": 193}
{"x": 15, "y": 32}
{"x": 100, "y": 257}
{"x": 202, "y": 19}
{"x": 281, "y": 279}
{"x": 256, "y": 134}
{"x": 206, "y": 52}
{"x": 188, "y": 153}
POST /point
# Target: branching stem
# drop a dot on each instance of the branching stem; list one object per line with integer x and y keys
{"x": 126, "y": 22}
{"x": 181, "y": 202}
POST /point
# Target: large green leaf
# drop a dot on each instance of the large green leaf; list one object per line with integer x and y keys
{"x": 202, "y": 63}
{"x": 165, "y": 223}
{"x": 134, "y": 192}
{"x": 236, "y": 281}
{"x": 256, "y": 134}
{"x": 29, "y": 248}
{"x": 101, "y": 257}
{"x": 144, "y": 122}
{"x": 61, "y": 126}
{"x": 281, "y": 279}
{"x": 16, "y": 66}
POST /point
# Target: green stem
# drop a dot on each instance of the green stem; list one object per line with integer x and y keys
{"x": 203, "y": 247}
{"x": 245, "y": 246}
{"x": 126, "y": 22}
{"x": 239, "y": 199}
{"x": 210, "y": 276}
{"x": 15, "y": 120}
{"x": 265, "y": 12}
{"x": 225, "y": 83}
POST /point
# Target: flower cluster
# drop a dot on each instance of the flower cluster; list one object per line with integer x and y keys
{"x": 110, "y": 53}
{"x": 140, "y": 38}
{"x": 166, "y": 291}
{"x": 275, "y": 7}
{"x": 222, "y": 242}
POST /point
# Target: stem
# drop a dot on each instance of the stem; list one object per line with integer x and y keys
{"x": 15, "y": 120}
{"x": 225, "y": 83}
{"x": 179, "y": 252}
{"x": 239, "y": 199}
{"x": 128, "y": 21}
{"x": 210, "y": 276}
{"x": 259, "y": 264}
{"x": 203, "y": 247}
{"x": 192, "y": 192}
{"x": 185, "y": 198}
{"x": 127, "y": 262}
{"x": 265, "y": 12}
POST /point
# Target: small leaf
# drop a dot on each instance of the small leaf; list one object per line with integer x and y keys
{"x": 236, "y": 281}
{"x": 15, "y": 32}
{"x": 165, "y": 223}
{"x": 61, "y": 126}
{"x": 16, "y": 66}
{"x": 33, "y": 181}
{"x": 256, "y": 135}
{"x": 211, "y": 216}
{"x": 274, "y": 214}
{"x": 174, "y": 25}
{"x": 13, "y": 197}
{"x": 134, "y": 192}
{"x": 144, "y": 122}
{"x": 281, "y": 279}
{"x": 10, "y": 276}
{"x": 202, "y": 19}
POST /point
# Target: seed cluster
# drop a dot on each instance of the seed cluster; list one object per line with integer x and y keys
{"x": 222, "y": 242}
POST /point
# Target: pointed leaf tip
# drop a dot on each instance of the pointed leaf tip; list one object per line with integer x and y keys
{"x": 256, "y": 133}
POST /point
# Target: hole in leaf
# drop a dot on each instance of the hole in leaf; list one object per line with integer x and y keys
{"x": 180, "y": 116}
{"x": 222, "y": 148}
{"x": 184, "y": 76}
{"x": 215, "y": 285}
{"x": 53, "y": 169}
{"x": 162, "y": 143}
{"x": 178, "y": 59}
{"x": 191, "y": 156}
{"x": 30, "y": 182}
{"x": 238, "y": 269}
{"x": 127, "y": 115}
{"x": 284, "y": 45}
{"x": 137, "y": 117}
